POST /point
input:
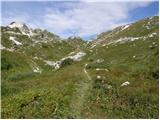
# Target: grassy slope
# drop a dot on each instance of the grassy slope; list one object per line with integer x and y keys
{"x": 44, "y": 96}
{"x": 60, "y": 94}
{"x": 49, "y": 51}
{"x": 67, "y": 93}
{"x": 140, "y": 98}
{"x": 137, "y": 29}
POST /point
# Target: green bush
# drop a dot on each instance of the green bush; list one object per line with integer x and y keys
{"x": 67, "y": 61}
{"x": 5, "y": 65}
{"x": 155, "y": 74}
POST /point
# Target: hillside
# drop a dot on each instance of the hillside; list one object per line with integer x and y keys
{"x": 142, "y": 29}
{"x": 113, "y": 76}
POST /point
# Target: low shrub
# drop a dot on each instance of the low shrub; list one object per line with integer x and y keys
{"x": 67, "y": 61}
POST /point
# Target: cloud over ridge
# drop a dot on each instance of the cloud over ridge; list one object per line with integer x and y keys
{"x": 81, "y": 18}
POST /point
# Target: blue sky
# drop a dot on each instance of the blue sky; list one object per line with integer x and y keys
{"x": 84, "y": 18}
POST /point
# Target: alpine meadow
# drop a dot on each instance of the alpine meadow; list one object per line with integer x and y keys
{"x": 79, "y": 60}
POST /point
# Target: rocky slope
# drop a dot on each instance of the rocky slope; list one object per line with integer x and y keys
{"x": 143, "y": 29}
{"x": 36, "y": 44}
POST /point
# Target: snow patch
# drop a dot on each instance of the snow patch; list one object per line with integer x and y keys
{"x": 86, "y": 65}
{"x": 16, "y": 24}
{"x": 150, "y": 46}
{"x": 109, "y": 86}
{"x": 2, "y": 47}
{"x": 104, "y": 45}
{"x": 125, "y": 27}
{"x": 98, "y": 77}
{"x": 153, "y": 43}
{"x": 22, "y": 27}
{"x": 13, "y": 39}
{"x": 13, "y": 33}
{"x": 134, "y": 56}
{"x": 90, "y": 50}
{"x": 125, "y": 39}
{"x": 93, "y": 46}
{"x": 77, "y": 56}
{"x": 36, "y": 57}
{"x": 8, "y": 49}
{"x": 98, "y": 69}
{"x": 125, "y": 83}
{"x": 99, "y": 60}
{"x": 36, "y": 69}
{"x": 147, "y": 27}
{"x": 152, "y": 34}
{"x": 57, "y": 64}
{"x": 11, "y": 49}
{"x": 71, "y": 53}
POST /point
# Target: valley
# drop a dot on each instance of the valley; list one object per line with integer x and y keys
{"x": 116, "y": 75}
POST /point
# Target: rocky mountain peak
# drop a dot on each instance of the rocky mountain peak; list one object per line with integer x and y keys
{"x": 18, "y": 25}
{"x": 21, "y": 26}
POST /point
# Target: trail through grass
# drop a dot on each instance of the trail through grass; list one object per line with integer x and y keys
{"x": 81, "y": 94}
{"x": 85, "y": 71}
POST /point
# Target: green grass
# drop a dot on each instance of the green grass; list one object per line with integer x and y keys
{"x": 140, "y": 98}
{"x": 58, "y": 94}
{"x": 137, "y": 29}
{"x": 68, "y": 93}
{"x": 54, "y": 91}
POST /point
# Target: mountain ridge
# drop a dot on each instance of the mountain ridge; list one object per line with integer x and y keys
{"x": 123, "y": 27}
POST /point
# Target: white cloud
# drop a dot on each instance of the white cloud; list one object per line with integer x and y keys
{"x": 78, "y": 18}
{"x": 21, "y": 17}
{"x": 89, "y": 18}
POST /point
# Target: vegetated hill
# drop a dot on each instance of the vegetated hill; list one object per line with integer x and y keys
{"x": 128, "y": 54}
{"x": 34, "y": 42}
{"x": 34, "y": 46}
{"x": 114, "y": 76}
{"x": 77, "y": 42}
{"x": 142, "y": 29}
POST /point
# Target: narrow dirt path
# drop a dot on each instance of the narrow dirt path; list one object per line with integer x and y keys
{"x": 85, "y": 71}
{"x": 82, "y": 93}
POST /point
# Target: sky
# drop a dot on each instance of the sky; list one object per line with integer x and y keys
{"x": 84, "y": 18}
